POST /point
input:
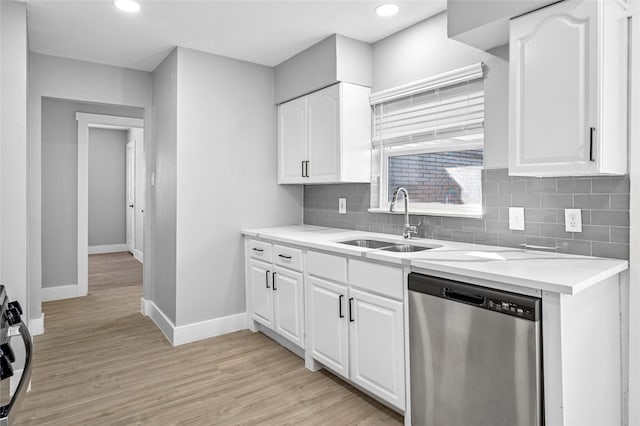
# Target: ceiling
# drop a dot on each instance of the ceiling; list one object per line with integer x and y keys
{"x": 265, "y": 32}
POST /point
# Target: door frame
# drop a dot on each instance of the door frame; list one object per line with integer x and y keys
{"x": 130, "y": 221}
{"x": 86, "y": 122}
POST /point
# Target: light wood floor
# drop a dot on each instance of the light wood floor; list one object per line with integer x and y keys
{"x": 101, "y": 362}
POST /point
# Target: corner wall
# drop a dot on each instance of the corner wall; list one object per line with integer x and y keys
{"x": 14, "y": 64}
{"x": 162, "y": 195}
{"x": 226, "y": 179}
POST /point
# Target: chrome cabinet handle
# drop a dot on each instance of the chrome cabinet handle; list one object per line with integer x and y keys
{"x": 266, "y": 278}
{"x": 340, "y": 314}
{"x": 273, "y": 281}
{"x": 257, "y": 249}
{"x": 284, "y": 256}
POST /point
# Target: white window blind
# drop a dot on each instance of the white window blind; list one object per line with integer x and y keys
{"x": 428, "y": 136}
{"x": 439, "y": 108}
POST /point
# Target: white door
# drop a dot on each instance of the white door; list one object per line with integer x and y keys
{"x": 131, "y": 195}
{"x": 553, "y": 57}
{"x": 323, "y": 121}
{"x": 292, "y": 141}
{"x": 377, "y": 345}
{"x": 288, "y": 305}
{"x": 261, "y": 292}
{"x": 328, "y": 335}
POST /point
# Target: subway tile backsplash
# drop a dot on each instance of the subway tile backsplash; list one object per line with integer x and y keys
{"x": 604, "y": 202}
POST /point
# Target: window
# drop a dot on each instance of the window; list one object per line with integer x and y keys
{"x": 429, "y": 138}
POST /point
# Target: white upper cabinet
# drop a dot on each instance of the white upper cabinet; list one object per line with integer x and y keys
{"x": 568, "y": 90}
{"x": 325, "y": 137}
{"x": 292, "y": 128}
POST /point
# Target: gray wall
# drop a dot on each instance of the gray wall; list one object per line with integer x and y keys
{"x": 107, "y": 185}
{"x": 163, "y": 195}
{"x": 14, "y": 66}
{"x": 226, "y": 179}
{"x": 424, "y": 50}
{"x": 60, "y": 184}
{"x": 604, "y": 202}
{"x": 63, "y": 78}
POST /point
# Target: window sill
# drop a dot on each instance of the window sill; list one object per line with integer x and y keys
{"x": 445, "y": 213}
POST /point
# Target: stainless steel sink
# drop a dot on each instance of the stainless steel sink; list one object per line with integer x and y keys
{"x": 405, "y": 248}
{"x": 373, "y": 244}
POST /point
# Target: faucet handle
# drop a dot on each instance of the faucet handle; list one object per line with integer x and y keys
{"x": 408, "y": 230}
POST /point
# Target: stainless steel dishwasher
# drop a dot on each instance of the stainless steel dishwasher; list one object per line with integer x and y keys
{"x": 475, "y": 355}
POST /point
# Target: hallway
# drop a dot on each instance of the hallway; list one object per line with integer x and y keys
{"x": 101, "y": 362}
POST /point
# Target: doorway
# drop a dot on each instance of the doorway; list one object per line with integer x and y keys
{"x": 110, "y": 189}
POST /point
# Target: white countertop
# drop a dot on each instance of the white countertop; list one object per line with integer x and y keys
{"x": 554, "y": 272}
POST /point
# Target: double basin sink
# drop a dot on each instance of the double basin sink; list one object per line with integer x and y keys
{"x": 387, "y": 246}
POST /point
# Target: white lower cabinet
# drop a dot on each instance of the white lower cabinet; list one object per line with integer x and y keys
{"x": 261, "y": 293}
{"x": 354, "y": 313}
{"x": 288, "y": 304}
{"x": 276, "y": 295}
{"x": 377, "y": 345}
{"x": 329, "y": 340}
{"x": 360, "y": 336}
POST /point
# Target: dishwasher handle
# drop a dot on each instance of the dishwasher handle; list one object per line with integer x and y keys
{"x": 462, "y": 296}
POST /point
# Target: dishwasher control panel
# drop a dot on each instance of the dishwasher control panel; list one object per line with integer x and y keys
{"x": 511, "y": 308}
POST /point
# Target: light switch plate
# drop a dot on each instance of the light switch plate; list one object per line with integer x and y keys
{"x": 153, "y": 179}
{"x": 573, "y": 220}
{"x": 516, "y": 218}
{"x": 342, "y": 205}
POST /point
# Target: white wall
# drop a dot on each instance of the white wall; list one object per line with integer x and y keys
{"x": 13, "y": 152}
{"x": 227, "y": 179}
{"x": 138, "y": 136}
{"x": 162, "y": 197}
{"x": 424, "y": 50}
{"x": 107, "y": 184}
{"x": 77, "y": 80}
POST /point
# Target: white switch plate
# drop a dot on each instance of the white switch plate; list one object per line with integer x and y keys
{"x": 573, "y": 220}
{"x": 153, "y": 179}
{"x": 342, "y": 205}
{"x": 516, "y": 218}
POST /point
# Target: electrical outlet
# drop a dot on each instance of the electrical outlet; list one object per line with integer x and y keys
{"x": 342, "y": 205}
{"x": 573, "y": 220}
{"x": 516, "y": 218}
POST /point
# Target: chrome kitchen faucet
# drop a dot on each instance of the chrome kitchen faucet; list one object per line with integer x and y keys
{"x": 408, "y": 228}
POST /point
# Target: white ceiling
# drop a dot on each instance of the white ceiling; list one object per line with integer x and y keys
{"x": 265, "y": 32}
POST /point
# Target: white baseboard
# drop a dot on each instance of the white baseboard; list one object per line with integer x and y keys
{"x": 138, "y": 255}
{"x": 148, "y": 308}
{"x": 192, "y": 332}
{"x": 60, "y": 292}
{"x": 111, "y": 248}
{"x": 36, "y": 325}
{"x": 210, "y": 328}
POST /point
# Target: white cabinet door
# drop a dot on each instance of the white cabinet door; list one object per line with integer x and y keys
{"x": 261, "y": 292}
{"x": 323, "y": 130}
{"x": 288, "y": 305}
{"x": 553, "y": 90}
{"x": 292, "y": 140}
{"x": 377, "y": 345}
{"x": 328, "y": 338}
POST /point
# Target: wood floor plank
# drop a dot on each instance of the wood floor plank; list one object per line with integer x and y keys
{"x": 101, "y": 362}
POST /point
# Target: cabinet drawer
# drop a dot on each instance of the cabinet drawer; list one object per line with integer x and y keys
{"x": 327, "y": 266}
{"x": 381, "y": 279}
{"x": 260, "y": 250}
{"x": 288, "y": 257}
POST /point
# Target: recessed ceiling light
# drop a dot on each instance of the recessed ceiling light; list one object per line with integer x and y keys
{"x": 387, "y": 10}
{"x": 127, "y": 5}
